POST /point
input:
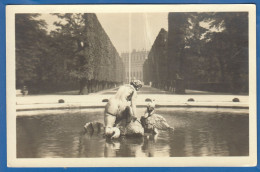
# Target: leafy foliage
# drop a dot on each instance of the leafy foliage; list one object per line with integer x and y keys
{"x": 31, "y": 45}
{"x": 206, "y": 50}
{"x": 78, "y": 51}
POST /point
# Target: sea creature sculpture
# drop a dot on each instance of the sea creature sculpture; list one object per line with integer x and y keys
{"x": 152, "y": 122}
{"x": 98, "y": 127}
{"x": 132, "y": 128}
{"x": 123, "y": 128}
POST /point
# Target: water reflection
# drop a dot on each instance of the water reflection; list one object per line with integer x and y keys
{"x": 196, "y": 134}
{"x": 135, "y": 147}
{"x": 91, "y": 145}
{"x": 124, "y": 147}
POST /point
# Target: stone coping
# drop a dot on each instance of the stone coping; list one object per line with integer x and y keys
{"x": 34, "y": 107}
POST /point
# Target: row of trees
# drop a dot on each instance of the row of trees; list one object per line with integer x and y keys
{"x": 155, "y": 67}
{"x": 205, "y": 51}
{"x": 77, "y": 55}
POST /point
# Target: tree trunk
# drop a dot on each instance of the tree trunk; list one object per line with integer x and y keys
{"x": 222, "y": 75}
{"x": 84, "y": 87}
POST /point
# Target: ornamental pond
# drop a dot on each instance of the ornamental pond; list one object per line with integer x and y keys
{"x": 197, "y": 132}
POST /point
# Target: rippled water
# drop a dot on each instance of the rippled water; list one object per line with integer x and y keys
{"x": 197, "y": 133}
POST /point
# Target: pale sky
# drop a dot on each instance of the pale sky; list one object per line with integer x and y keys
{"x": 142, "y": 28}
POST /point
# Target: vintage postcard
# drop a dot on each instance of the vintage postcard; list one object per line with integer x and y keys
{"x": 131, "y": 85}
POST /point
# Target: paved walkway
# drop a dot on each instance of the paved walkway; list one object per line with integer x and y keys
{"x": 162, "y": 98}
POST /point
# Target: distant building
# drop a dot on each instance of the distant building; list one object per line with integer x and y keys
{"x": 136, "y": 65}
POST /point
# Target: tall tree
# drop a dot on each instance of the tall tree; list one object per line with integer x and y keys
{"x": 193, "y": 62}
{"x": 90, "y": 56}
{"x": 30, "y": 46}
{"x": 79, "y": 59}
{"x": 216, "y": 52}
{"x": 231, "y": 47}
{"x": 156, "y": 70}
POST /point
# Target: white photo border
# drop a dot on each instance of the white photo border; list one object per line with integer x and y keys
{"x": 13, "y": 161}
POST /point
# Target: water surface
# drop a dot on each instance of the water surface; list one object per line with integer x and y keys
{"x": 197, "y": 133}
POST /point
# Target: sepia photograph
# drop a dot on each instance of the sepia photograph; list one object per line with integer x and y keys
{"x": 131, "y": 85}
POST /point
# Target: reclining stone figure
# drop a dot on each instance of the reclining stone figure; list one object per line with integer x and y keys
{"x": 126, "y": 126}
{"x": 123, "y": 128}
